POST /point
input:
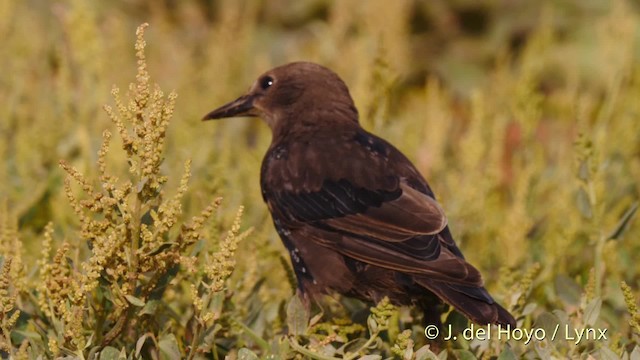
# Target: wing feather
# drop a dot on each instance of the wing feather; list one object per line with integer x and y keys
{"x": 372, "y": 205}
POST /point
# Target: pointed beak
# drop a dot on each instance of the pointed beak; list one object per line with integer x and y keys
{"x": 242, "y": 106}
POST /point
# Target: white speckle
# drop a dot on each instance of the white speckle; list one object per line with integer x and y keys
{"x": 315, "y": 282}
{"x": 295, "y": 257}
{"x": 304, "y": 270}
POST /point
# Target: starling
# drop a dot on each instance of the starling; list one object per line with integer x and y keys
{"x": 354, "y": 213}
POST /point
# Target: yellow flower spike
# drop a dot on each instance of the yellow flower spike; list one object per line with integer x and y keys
{"x": 6, "y": 299}
{"x": 403, "y": 344}
{"x": 52, "y": 344}
{"x": 526, "y": 284}
{"x": 630, "y": 300}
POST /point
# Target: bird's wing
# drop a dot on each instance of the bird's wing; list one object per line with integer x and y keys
{"x": 369, "y": 209}
{"x": 403, "y": 231}
{"x": 394, "y": 216}
{"x": 420, "y": 256}
{"x": 411, "y": 214}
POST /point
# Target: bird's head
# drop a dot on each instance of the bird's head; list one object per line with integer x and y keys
{"x": 295, "y": 95}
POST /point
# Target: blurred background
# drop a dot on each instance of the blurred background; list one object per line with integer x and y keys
{"x": 523, "y": 115}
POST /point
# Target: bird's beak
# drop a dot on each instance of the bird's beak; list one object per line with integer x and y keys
{"x": 242, "y": 106}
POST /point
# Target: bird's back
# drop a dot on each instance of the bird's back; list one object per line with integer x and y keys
{"x": 337, "y": 203}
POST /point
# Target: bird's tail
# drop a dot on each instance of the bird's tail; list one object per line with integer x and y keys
{"x": 474, "y": 302}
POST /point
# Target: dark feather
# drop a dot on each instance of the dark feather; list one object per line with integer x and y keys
{"x": 393, "y": 230}
{"x": 352, "y": 210}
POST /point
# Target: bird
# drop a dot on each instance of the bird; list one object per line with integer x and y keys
{"x": 354, "y": 213}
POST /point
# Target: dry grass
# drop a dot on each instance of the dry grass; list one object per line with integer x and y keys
{"x": 527, "y": 127}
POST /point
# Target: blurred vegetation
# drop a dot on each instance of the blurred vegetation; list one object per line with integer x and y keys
{"x": 523, "y": 115}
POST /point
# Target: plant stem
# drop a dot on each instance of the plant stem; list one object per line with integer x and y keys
{"x": 600, "y": 240}
{"x": 100, "y": 320}
{"x": 116, "y": 329}
{"x": 134, "y": 235}
{"x": 306, "y": 352}
{"x": 255, "y": 337}
{"x": 370, "y": 341}
{"x": 135, "y": 240}
{"x": 194, "y": 340}
{"x": 349, "y": 356}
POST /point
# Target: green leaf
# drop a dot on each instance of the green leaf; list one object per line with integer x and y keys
{"x": 425, "y": 353}
{"x": 150, "y": 308}
{"x": 543, "y": 349}
{"x": 592, "y": 311}
{"x": 457, "y": 321}
{"x": 464, "y": 355}
{"x": 568, "y": 290}
{"x": 163, "y": 282}
{"x": 408, "y": 354}
{"x": 444, "y": 355}
{"x": 197, "y": 248}
{"x": 548, "y": 322}
{"x": 89, "y": 342}
{"x": 608, "y": 354}
{"x": 328, "y": 350}
{"x": 106, "y": 292}
{"x": 562, "y": 316}
{"x": 209, "y": 335}
{"x": 529, "y": 308}
{"x": 351, "y": 346}
{"x": 140, "y": 343}
{"x": 93, "y": 352}
{"x": 28, "y": 334}
{"x": 169, "y": 348}
{"x": 141, "y": 184}
{"x": 283, "y": 346}
{"x": 622, "y": 225}
{"x": 507, "y": 354}
{"x": 372, "y": 324}
{"x": 254, "y": 336}
{"x": 297, "y": 316}
{"x": 583, "y": 203}
{"x": 109, "y": 353}
{"x": 134, "y": 300}
{"x": 246, "y": 354}
{"x": 162, "y": 247}
{"x": 583, "y": 170}
{"x": 316, "y": 319}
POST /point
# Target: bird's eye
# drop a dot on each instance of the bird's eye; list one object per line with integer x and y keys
{"x": 266, "y": 82}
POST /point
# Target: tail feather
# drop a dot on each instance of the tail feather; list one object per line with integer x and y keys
{"x": 474, "y": 302}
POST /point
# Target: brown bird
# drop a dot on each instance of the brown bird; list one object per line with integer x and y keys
{"x": 354, "y": 213}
